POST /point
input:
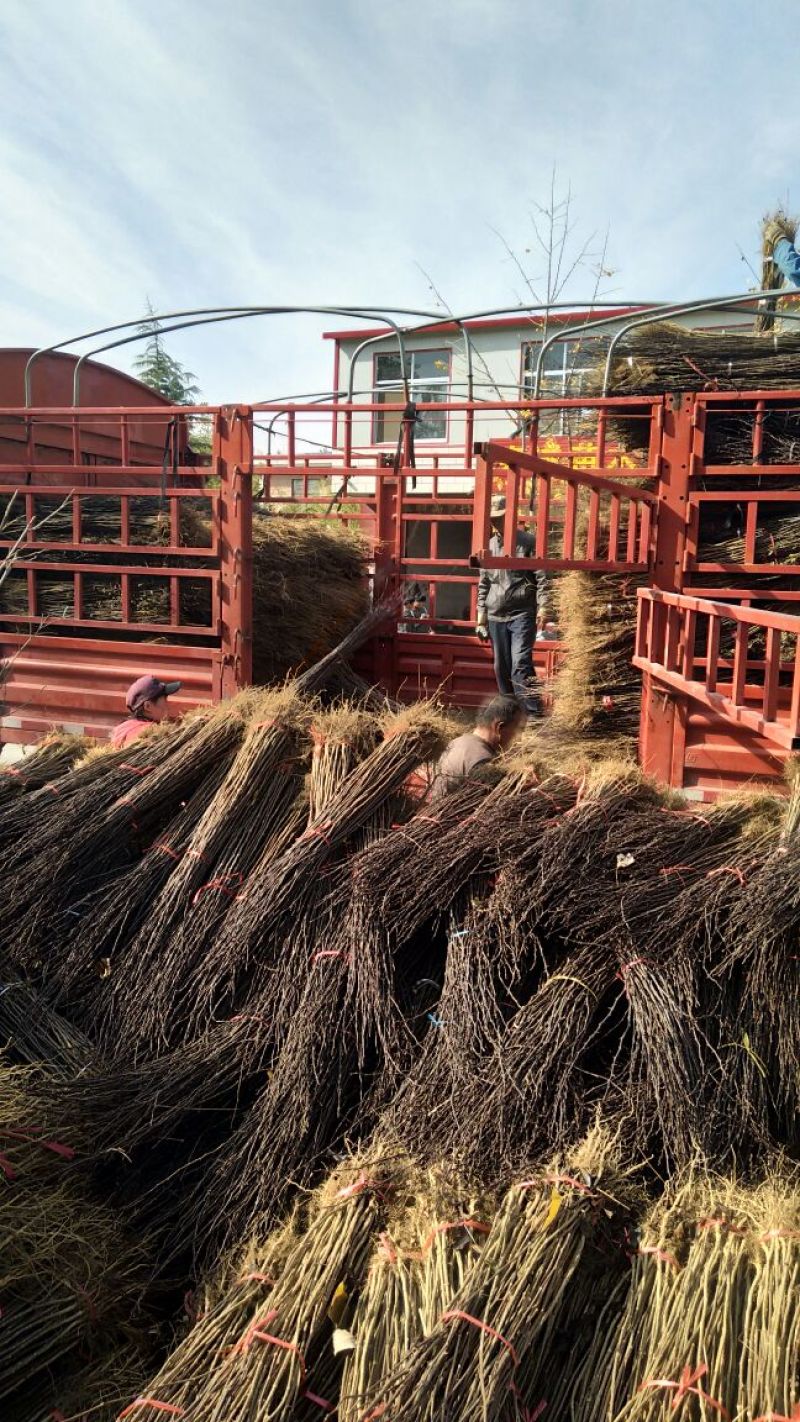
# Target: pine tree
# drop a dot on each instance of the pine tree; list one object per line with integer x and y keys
{"x": 161, "y": 371}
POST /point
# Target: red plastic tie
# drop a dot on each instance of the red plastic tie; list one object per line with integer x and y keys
{"x": 387, "y": 1248}
{"x": 571, "y": 1180}
{"x": 167, "y": 849}
{"x": 7, "y": 1168}
{"x": 529, "y": 1414}
{"x": 686, "y": 1384}
{"x": 477, "y": 1227}
{"x": 348, "y": 1192}
{"x": 331, "y": 953}
{"x": 65, "y": 1151}
{"x": 319, "y": 833}
{"x": 717, "y": 1222}
{"x": 684, "y": 814}
{"x": 484, "y": 1327}
{"x": 154, "y": 1403}
{"x": 711, "y": 381}
{"x": 136, "y": 769}
{"x": 260, "y": 1278}
{"x": 625, "y": 967}
{"x": 319, "y": 1401}
{"x": 256, "y": 1333}
{"x": 661, "y": 1254}
{"x": 222, "y": 883}
{"x": 677, "y": 869}
{"x": 9, "y": 770}
{"x": 726, "y": 869}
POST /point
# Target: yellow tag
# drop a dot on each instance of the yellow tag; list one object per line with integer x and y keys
{"x": 552, "y": 1209}
{"x": 338, "y": 1304}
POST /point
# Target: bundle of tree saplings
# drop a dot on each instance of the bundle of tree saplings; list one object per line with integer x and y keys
{"x": 434, "y": 1232}
{"x": 71, "y": 1282}
{"x": 266, "y": 1346}
{"x": 161, "y": 770}
{"x": 52, "y": 758}
{"x": 249, "y": 809}
{"x": 709, "y": 1319}
{"x": 597, "y": 691}
{"x": 551, "y": 1256}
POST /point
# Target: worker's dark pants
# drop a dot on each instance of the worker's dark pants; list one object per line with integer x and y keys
{"x": 512, "y": 643}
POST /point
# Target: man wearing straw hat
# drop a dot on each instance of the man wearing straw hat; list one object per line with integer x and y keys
{"x": 508, "y": 602}
{"x": 146, "y": 699}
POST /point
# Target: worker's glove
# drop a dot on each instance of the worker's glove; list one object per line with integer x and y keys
{"x": 482, "y": 627}
{"x": 772, "y": 235}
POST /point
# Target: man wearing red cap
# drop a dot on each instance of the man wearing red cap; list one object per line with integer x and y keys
{"x": 147, "y": 702}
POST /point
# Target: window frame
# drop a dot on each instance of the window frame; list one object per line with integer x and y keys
{"x": 559, "y": 417}
{"x": 444, "y": 380}
{"x": 566, "y": 370}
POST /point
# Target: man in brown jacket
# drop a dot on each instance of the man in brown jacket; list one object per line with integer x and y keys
{"x": 497, "y": 724}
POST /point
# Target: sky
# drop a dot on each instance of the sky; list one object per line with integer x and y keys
{"x": 321, "y": 152}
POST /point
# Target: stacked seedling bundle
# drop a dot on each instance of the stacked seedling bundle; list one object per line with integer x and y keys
{"x": 52, "y": 758}
{"x": 158, "y": 987}
{"x": 306, "y": 987}
{"x": 71, "y": 1283}
{"x": 499, "y": 1348}
{"x": 597, "y": 692}
{"x": 264, "y": 1348}
{"x": 97, "y": 841}
{"x": 456, "y": 994}
{"x": 710, "y": 1317}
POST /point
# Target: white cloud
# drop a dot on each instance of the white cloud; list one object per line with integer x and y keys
{"x": 302, "y": 150}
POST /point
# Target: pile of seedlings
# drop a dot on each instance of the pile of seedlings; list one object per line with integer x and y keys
{"x": 350, "y": 1104}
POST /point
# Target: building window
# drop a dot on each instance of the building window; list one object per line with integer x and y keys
{"x": 315, "y": 488}
{"x": 569, "y": 369}
{"x": 429, "y": 383}
{"x": 567, "y": 366}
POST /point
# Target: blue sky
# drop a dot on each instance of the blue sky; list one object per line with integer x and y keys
{"x": 299, "y": 151}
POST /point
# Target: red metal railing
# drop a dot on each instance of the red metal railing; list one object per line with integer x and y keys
{"x": 618, "y": 518}
{"x": 106, "y": 578}
{"x": 759, "y": 693}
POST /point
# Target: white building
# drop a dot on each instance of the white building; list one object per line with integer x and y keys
{"x": 494, "y": 358}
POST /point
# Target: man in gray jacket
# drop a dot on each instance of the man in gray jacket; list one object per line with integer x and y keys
{"x": 508, "y": 603}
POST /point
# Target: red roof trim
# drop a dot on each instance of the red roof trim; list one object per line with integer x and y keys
{"x": 490, "y": 323}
